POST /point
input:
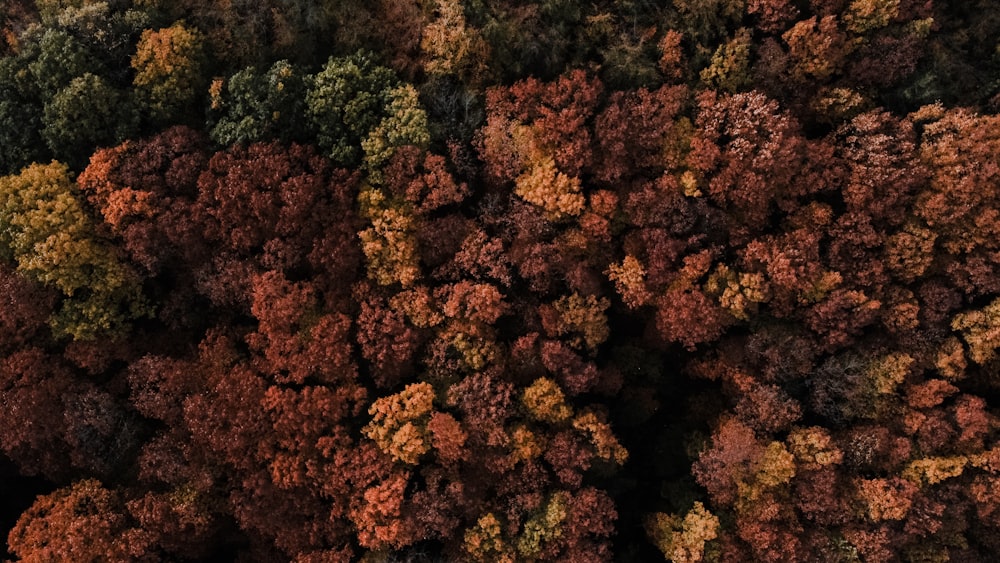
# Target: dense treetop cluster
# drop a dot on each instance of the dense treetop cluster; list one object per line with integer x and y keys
{"x": 422, "y": 280}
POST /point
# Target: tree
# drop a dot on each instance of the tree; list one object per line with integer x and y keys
{"x": 252, "y": 106}
{"x": 683, "y": 540}
{"x": 52, "y": 240}
{"x": 168, "y": 66}
{"x": 399, "y": 423}
{"x": 14, "y": 17}
{"x": 275, "y": 206}
{"x": 33, "y": 383}
{"x": 58, "y": 58}
{"x": 817, "y": 48}
{"x": 404, "y": 124}
{"x": 730, "y": 65}
{"x": 764, "y": 142}
{"x": 582, "y": 318}
{"x": 108, "y": 30}
{"x": 547, "y": 121}
{"x": 346, "y": 101}
{"x": 400, "y": 26}
{"x": 297, "y": 341}
{"x": 453, "y": 47}
{"x": 83, "y": 521}
{"x": 25, "y": 318}
{"x": 536, "y": 136}
{"x": 84, "y": 115}
{"x": 20, "y": 118}
{"x": 389, "y": 245}
{"x": 634, "y": 128}
{"x": 145, "y": 192}
{"x": 979, "y": 328}
{"x": 952, "y": 204}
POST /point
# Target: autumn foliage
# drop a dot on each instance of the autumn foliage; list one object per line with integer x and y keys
{"x": 710, "y": 280}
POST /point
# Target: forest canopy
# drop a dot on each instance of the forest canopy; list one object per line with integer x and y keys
{"x": 454, "y": 280}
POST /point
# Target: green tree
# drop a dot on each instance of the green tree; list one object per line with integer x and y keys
{"x": 108, "y": 30}
{"x": 20, "y": 117}
{"x": 50, "y": 10}
{"x": 254, "y": 107}
{"x": 347, "y": 99}
{"x": 86, "y": 114}
{"x": 57, "y": 57}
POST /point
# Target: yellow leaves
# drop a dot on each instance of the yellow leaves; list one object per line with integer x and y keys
{"x": 407, "y": 444}
{"x": 885, "y": 499}
{"x": 821, "y": 286}
{"x": 390, "y": 244}
{"x": 405, "y": 123}
{"x": 775, "y": 467}
{"x": 689, "y": 183}
{"x": 950, "y": 360}
{"x": 988, "y": 460}
{"x": 167, "y": 65}
{"x": 555, "y": 192}
{"x": 215, "y": 93}
{"x": 583, "y": 318}
{"x": 399, "y": 423}
{"x": 526, "y": 445}
{"x": 452, "y": 47}
{"x": 887, "y": 372}
{"x": 922, "y": 28}
{"x": 52, "y": 240}
{"x": 475, "y": 351}
{"x": 36, "y": 203}
{"x": 683, "y": 540}
{"x": 749, "y": 288}
{"x": 485, "y": 543}
{"x": 981, "y": 331}
{"x": 676, "y": 147}
{"x": 629, "y": 278}
{"x": 739, "y": 293}
{"x": 100, "y": 314}
{"x": 543, "y": 527}
{"x": 546, "y": 402}
{"x": 63, "y": 261}
{"x": 933, "y": 470}
{"x": 406, "y": 427}
{"x": 813, "y": 447}
{"x": 839, "y": 104}
{"x": 418, "y": 306}
{"x": 729, "y": 69}
{"x": 817, "y": 47}
{"x": 867, "y": 15}
{"x": 606, "y": 446}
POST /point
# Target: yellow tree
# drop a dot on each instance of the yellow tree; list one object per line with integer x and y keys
{"x": 168, "y": 70}
{"x": 45, "y": 230}
{"x": 981, "y": 330}
{"x": 452, "y": 47}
